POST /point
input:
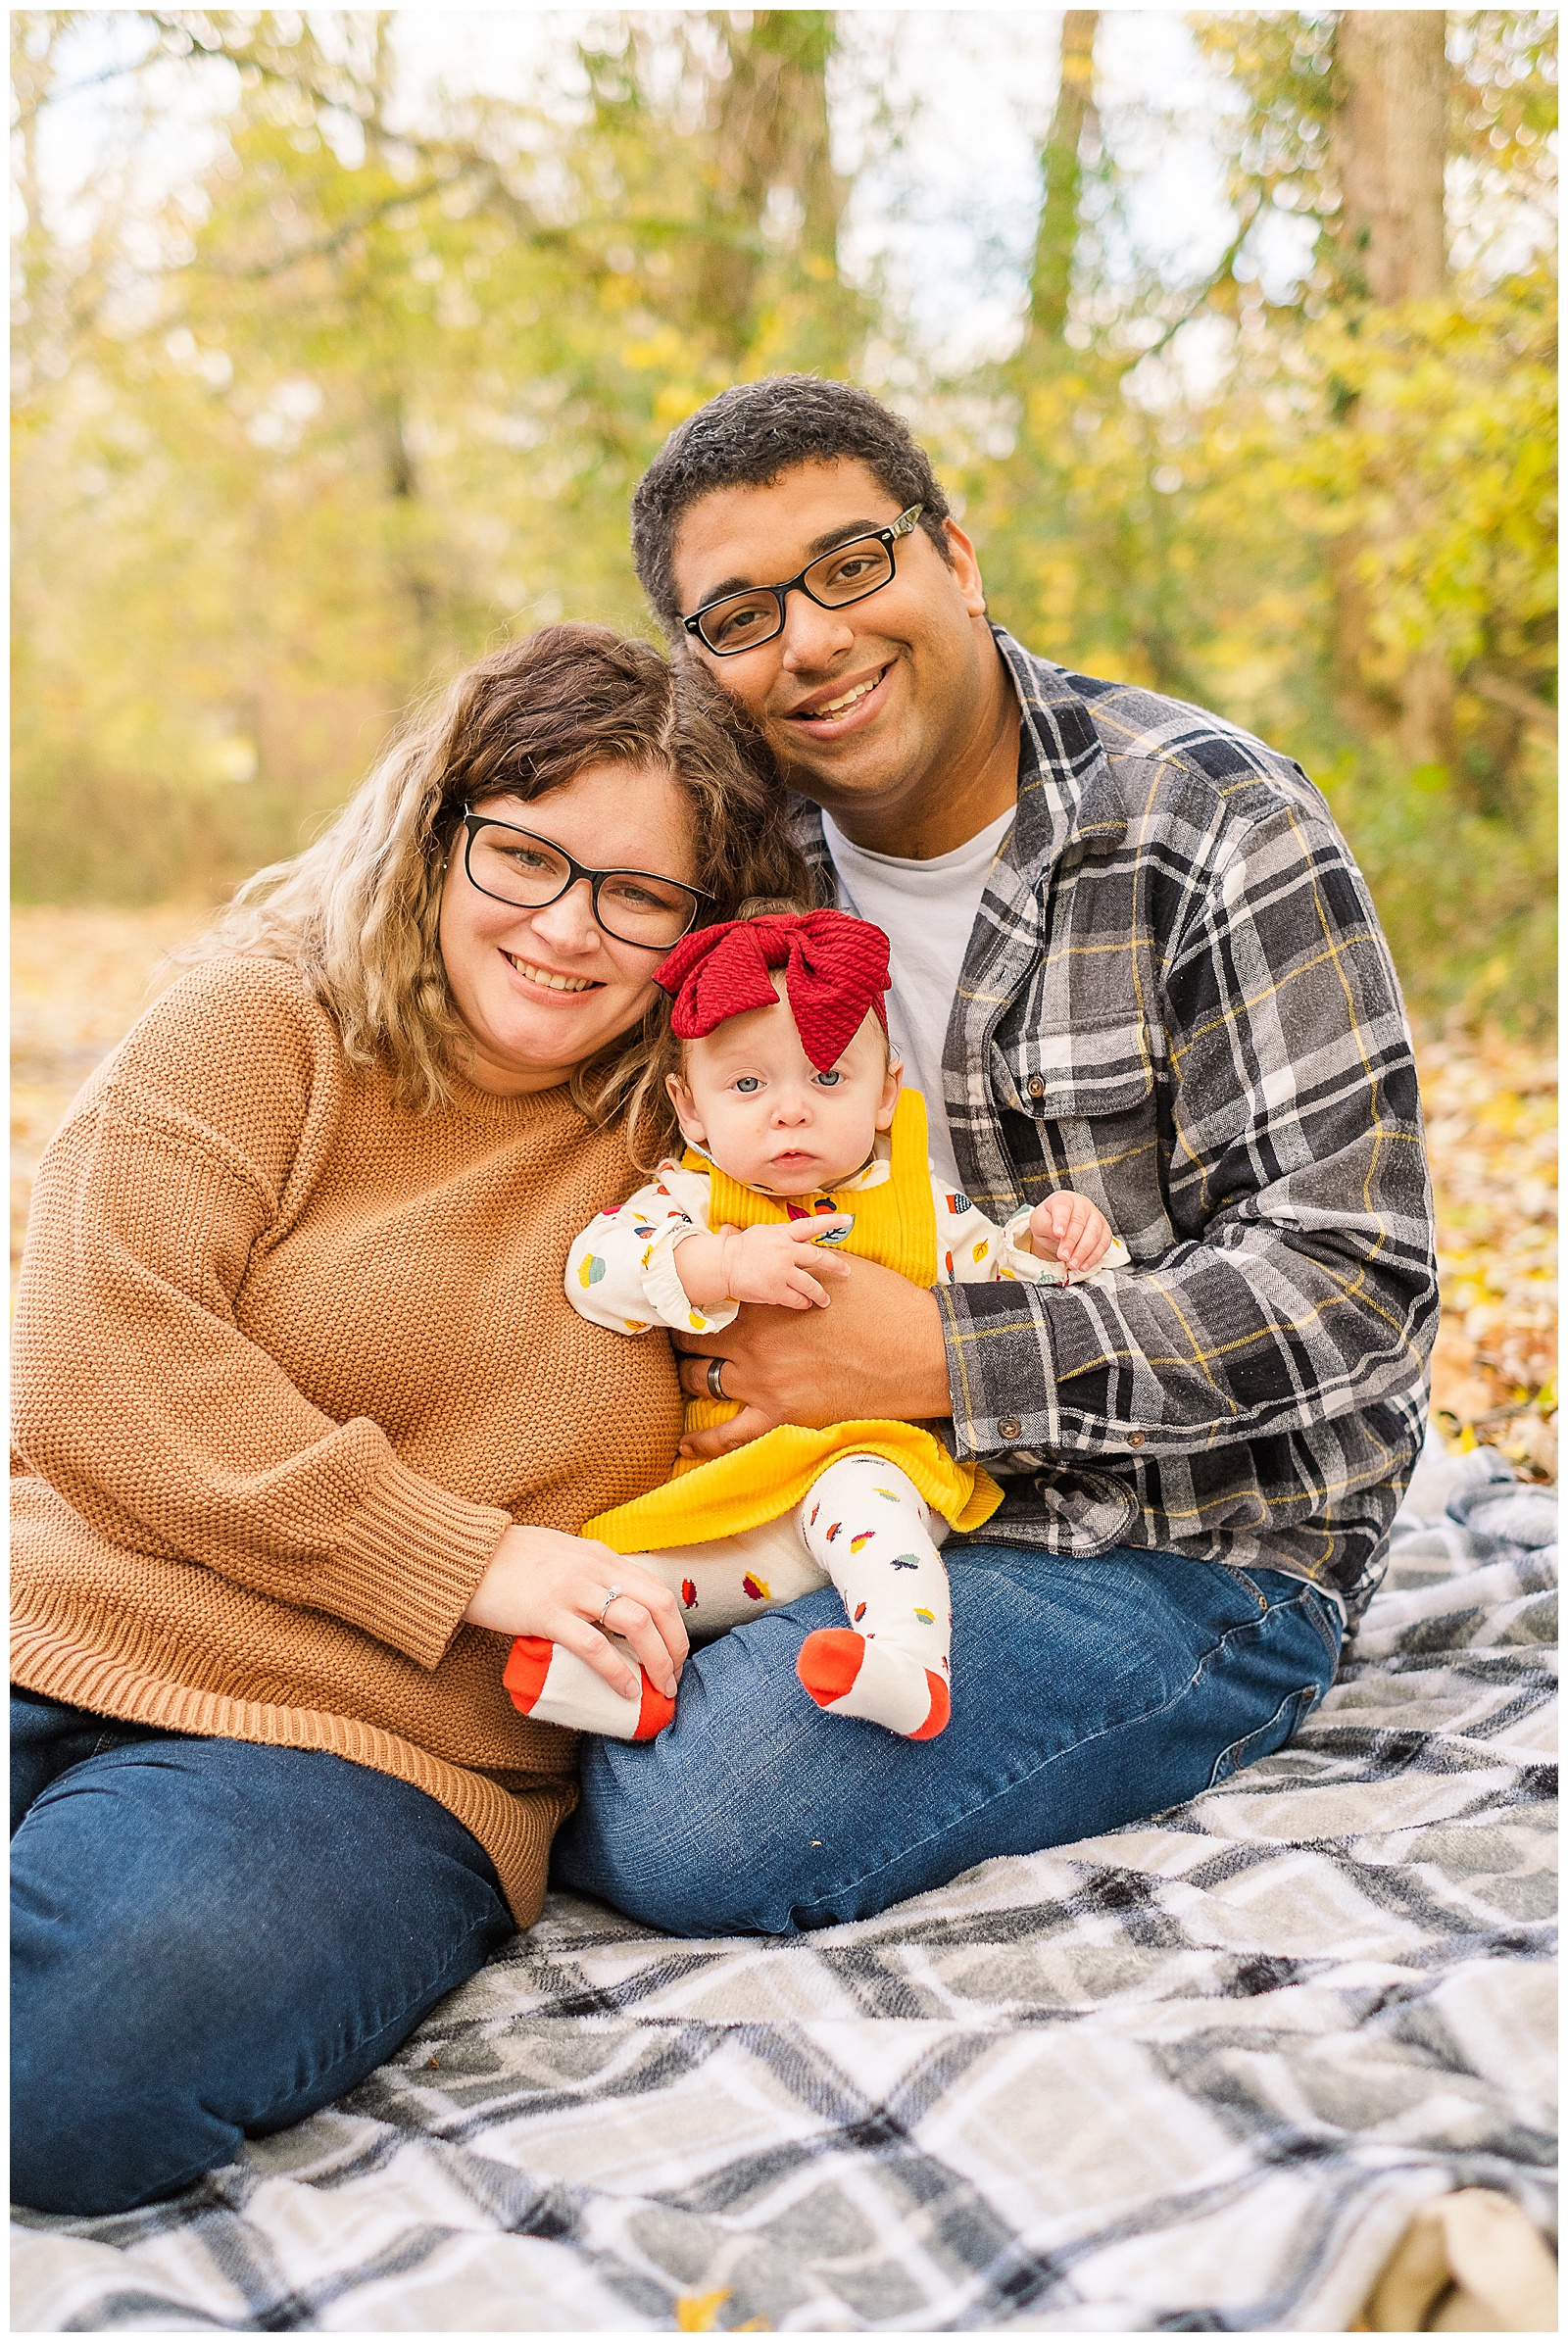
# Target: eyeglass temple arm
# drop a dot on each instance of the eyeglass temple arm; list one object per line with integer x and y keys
{"x": 895, "y": 528}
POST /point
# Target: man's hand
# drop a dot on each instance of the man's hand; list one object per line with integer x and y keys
{"x": 877, "y": 1352}
{"x": 721, "y": 1438}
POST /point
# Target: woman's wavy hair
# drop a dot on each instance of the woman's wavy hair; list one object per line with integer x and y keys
{"x": 359, "y": 911}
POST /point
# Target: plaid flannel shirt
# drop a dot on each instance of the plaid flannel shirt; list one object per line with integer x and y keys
{"x": 1177, "y": 1000}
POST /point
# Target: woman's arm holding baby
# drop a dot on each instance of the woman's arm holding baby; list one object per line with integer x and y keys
{"x": 542, "y": 1582}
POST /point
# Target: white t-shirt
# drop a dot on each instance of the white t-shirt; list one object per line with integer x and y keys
{"x": 927, "y": 911}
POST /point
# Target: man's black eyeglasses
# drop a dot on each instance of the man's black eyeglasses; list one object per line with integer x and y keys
{"x": 635, "y": 906}
{"x": 738, "y": 622}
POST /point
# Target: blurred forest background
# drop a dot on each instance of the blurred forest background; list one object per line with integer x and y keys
{"x": 341, "y": 339}
{"x": 332, "y": 370}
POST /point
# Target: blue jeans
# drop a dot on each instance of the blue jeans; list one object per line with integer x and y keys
{"x": 1085, "y": 1694}
{"x": 210, "y": 1940}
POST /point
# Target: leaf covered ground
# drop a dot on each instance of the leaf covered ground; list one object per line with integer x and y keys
{"x": 79, "y": 978}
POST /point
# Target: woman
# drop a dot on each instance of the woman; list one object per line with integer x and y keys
{"x": 306, "y": 1422}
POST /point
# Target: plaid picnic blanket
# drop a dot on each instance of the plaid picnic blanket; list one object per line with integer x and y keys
{"x": 1197, "y": 2074}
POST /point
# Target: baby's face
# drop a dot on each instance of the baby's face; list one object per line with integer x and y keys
{"x": 755, "y": 1102}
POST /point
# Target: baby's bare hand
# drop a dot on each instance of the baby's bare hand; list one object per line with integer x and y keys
{"x": 776, "y": 1263}
{"x": 1069, "y": 1229}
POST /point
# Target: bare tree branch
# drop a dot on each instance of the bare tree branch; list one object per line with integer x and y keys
{"x": 1198, "y": 301}
{"x": 1487, "y": 684}
{"x": 71, "y": 89}
{"x": 322, "y": 247}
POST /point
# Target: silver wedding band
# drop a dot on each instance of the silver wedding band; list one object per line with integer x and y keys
{"x": 614, "y": 1595}
{"x": 716, "y": 1378}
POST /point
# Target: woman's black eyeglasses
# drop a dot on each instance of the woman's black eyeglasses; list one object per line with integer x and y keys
{"x": 738, "y": 622}
{"x": 635, "y": 906}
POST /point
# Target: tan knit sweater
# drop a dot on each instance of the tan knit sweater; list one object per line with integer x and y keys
{"x": 288, "y": 1361}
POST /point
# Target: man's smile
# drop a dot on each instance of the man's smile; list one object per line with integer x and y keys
{"x": 839, "y": 707}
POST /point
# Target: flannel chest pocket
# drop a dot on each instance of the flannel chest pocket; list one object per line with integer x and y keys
{"x": 1078, "y": 1076}
{"x": 1087, "y": 1109}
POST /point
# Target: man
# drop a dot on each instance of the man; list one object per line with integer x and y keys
{"x": 1131, "y": 955}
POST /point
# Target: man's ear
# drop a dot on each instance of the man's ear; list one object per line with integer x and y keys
{"x": 965, "y": 569}
{"x": 685, "y": 1105}
{"x": 890, "y": 1094}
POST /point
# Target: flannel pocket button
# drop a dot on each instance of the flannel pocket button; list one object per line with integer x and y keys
{"x": 1136, "y": 1438}
{"x": 1010, "y": 1426}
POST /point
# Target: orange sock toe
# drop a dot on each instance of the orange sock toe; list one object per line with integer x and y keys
{"x": 941, "y": 1709}
{"x": 829, "y": 1662}
{"x": 655, "y": 1713}
{"x": 526, "y": 1669}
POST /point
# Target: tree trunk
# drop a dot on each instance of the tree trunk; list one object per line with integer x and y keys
{"x": 1392, "y": 132}
{"x": 34, "y": 33}
{"x": 1390, "y": 148}
{"x": 770, "y": 139}
{"x": 1061, "y": 169}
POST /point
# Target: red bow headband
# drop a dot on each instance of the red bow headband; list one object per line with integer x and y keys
{"x": 835, "y": 968}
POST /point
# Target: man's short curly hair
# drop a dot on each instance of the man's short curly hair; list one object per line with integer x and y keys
{"x": 751, "y": 434}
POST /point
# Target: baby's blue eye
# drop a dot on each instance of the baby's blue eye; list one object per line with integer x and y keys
{"x": 827, "y": 1080}
{"x": 745, "y": 1083}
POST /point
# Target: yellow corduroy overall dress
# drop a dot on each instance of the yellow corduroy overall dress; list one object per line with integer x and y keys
{"x": 895, "y": 1224}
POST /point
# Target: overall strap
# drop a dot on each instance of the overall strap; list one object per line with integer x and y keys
{"x": 895, "y": 1223}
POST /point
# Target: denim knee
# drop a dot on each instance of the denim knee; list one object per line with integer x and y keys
{"x": 209, "y": 1941}
{"x": 104, "y": 2114}
{"x": 665, "y": 1831}
{"x": 614, "y": 1849}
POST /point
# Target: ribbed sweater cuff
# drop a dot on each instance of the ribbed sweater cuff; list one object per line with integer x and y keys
{"x": 410, "y": 1561}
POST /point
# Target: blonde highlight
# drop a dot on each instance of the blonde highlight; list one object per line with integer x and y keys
{"x": 357, "y": 912}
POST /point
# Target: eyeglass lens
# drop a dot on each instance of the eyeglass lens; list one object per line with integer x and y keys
{"x": 527, "y": 872}
{"x": 744, "y": 620}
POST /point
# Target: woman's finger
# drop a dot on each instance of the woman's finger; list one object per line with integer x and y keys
{"x": 665, "y": 1611}
{"x": 633, "y": 1627}
{"x": 586, "y": 1642}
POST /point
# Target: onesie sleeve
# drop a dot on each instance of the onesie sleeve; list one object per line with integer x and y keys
{"x": 620, "y": 1272}
{"x": 1014, "y": 1259}
{"x": 974, "y": 1250}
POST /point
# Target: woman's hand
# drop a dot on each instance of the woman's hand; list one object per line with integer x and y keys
{"x": 542, "y": 1582}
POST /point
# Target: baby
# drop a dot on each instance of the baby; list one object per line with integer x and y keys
{"x": 798, "y": 1136}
